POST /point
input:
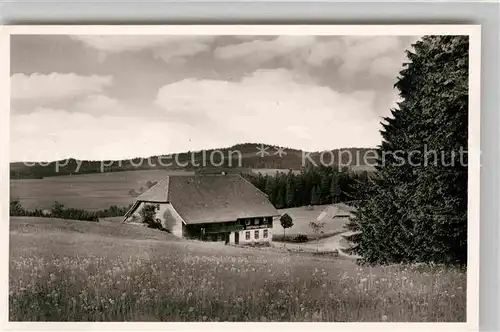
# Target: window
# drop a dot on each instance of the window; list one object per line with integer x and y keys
{"x": 247, "y": 235}
{"x": 247, "y": 222}
{"x": 256, "y": 234}
{"x": 265, "y": 233}
{"x": 256, "y": 221}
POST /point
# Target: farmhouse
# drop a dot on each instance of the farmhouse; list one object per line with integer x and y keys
{"x": 209, "y": 207}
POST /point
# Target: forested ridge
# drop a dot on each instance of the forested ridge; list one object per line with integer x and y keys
{"x": 248, "y": 158}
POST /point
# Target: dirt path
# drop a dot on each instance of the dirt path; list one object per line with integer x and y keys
{"x": 330, "y": 243}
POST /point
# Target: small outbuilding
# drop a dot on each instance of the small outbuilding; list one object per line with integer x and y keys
{"x": 336, "y": 211}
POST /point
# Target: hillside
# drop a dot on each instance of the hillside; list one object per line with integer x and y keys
{"x": 193, "y": 160}
{"x": 91, "y": 192}
{"x": 63, "y": 270}
{"x": 301, "y": 217}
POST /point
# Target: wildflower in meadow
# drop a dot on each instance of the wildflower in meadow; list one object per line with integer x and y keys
{"x": 317, "y": 316}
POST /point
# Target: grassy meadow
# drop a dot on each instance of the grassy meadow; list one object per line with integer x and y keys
{"x": 302, "y": 216}
{"x": 91, "y": 192}
{"x": 63, "y": 270}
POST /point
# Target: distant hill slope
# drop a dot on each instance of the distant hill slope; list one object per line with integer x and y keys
{"x": 303, "y": 215}
{"x": 77, "y": 265}
{"x": 243, "y": 156}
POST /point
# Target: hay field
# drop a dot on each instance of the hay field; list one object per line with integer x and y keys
{"x": 86, "y": 191}
{"x": 301, "y": 217}
{"x": 82, "y": 271}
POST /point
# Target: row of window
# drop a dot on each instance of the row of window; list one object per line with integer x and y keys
{"x": 258, "y": 221}
{"x": 257, "y": 234}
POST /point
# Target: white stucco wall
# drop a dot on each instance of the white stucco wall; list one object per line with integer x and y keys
{"x": 252, "y": 239}
{"x": 169, "y": 218}
{"x": 135, "y": 216}
{"x": 176, "y": 228}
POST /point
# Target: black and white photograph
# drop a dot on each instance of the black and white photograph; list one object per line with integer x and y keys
{"x": 252, "y": 174}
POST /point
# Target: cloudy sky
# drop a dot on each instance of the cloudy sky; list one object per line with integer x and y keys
{"x": 113, "y": 97}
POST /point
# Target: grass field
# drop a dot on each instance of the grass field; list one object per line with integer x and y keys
{"x": 82, "y": 271}
{"x": 86, "y": 191}
{"x": 91, "y": 192}
{"x": 301, "y": 217}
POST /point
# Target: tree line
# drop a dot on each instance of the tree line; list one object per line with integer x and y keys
{"x": 310, "y": 186}
{"x": 193, "y": 161}
{"x": 58, "y": 210}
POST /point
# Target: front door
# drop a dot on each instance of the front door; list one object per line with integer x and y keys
{"x": 237, "y": 237}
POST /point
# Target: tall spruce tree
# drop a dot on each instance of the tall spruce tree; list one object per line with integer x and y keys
{"x": 324, "y": 188}
{"x": 300, "y": 192}
{"x": 269, "y": 186}
{"x": 280, "y": 197}
{"x": 315, "y": 195}
{"x": 335, "y": 189}
{"x": 415, "y": 209}
{"x": 290, "y": 190}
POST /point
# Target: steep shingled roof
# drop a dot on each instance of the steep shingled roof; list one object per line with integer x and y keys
{"x": 157, "y": 193}
{"x": 211, "y": 198}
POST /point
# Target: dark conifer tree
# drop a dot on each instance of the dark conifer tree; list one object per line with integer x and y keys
{"x": 314, "y": 196}
{"x": 301, "y": 195}
{"x": 280, "y": 198}
{"x": 290, "y": 190}
{"x": 335, "y": 189}
{"x": 415, "y": 209}
{"x": 324, "y": 187}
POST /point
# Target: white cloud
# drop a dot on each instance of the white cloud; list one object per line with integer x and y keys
{"x": 113, "y": 44}
{"x": 56, "y": 85}
{"x": 167, "y": 48}
{"x": 97, "y": 104}
{"x": 64, "y": 134}
{"x": 178, "y": 52}
{"x": 259, "y": 51}
{"x": 274, "y": 106}
{"x": 271, "y": 106}
{"x": 300, "y": 132}
{"x": 324, "y": 51}
{"x": 384, "y": 65}
{"x": 100, "y": 105}
{"x": 378, "y": 55}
